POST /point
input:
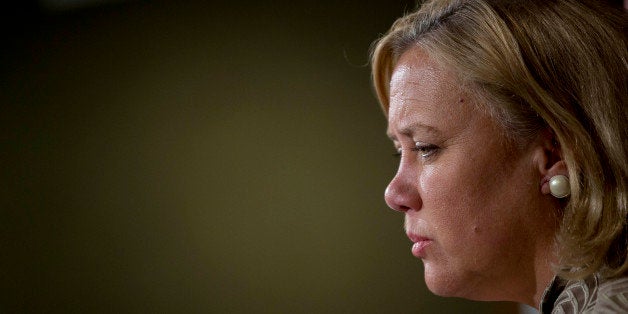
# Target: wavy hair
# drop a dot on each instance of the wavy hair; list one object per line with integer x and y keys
{"x": 538, "y": 64}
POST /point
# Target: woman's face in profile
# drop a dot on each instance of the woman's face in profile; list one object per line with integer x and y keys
{"x": 471, "y": 201}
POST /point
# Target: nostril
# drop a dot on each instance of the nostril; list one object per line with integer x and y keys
{"x": 398, "y": 207}
{"x": 392, "y": 197}
{"x": 402, "y": 196}
{"x": 396, "y": 201}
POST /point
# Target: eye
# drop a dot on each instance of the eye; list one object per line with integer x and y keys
{"x": 425, "y": 150}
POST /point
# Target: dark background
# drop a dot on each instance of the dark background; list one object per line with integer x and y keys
{"x": 200, "y": 157}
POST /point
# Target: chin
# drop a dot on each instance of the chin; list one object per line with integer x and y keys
{"x": 443, "y": 289}
{"x": 446, "y": 283}
{"x": 452, "y": 291}
{"x": 450, "y": 285}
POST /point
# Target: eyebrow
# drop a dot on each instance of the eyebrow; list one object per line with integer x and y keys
{"x": 410, "y": 128}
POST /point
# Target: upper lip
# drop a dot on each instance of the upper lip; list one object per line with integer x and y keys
{"x": 417, "y": 238}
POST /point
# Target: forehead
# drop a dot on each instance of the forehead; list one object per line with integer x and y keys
{"x": 418, "y": 74}
{"x": 423, "y": 92}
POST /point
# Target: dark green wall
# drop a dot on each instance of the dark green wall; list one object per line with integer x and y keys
{"x": 197, "y": 157}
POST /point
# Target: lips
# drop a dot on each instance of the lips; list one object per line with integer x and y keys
{"x": 420, "y": 244}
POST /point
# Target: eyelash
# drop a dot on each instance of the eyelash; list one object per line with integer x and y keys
{"x": 425, "y": 150}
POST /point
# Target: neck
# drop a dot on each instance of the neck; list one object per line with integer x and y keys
{"x": 544, "y": 278}
{"x": 543, "y": 260}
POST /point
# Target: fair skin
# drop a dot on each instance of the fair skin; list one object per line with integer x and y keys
{"x": 476, "y": 207}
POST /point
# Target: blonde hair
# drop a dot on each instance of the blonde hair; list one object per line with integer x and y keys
{"x": 538, "y": 64}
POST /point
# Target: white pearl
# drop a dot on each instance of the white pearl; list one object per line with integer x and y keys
{"x": 559, "y": 186}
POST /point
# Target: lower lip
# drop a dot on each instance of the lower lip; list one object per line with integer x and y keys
{"x": 418, "y": 248}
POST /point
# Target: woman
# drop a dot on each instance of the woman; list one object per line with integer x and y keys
{"x": 509, "y": 118}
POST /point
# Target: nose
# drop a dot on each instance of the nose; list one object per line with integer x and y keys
{"x": 402, "y": 193}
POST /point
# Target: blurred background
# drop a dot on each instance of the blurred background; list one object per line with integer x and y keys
{"x": 200, "y": 157}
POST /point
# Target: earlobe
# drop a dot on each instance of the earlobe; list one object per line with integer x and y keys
{"x": 555, "y": 180}
{"x": 559, "y": 186}
{"x": 552, "y": 167}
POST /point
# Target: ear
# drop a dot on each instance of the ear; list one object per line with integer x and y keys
{"x": 549, "y": 159}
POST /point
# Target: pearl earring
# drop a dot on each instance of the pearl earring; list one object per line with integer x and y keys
{"x": 559, "y": 186}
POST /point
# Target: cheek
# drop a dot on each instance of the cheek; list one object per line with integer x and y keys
{"x": 458, "y": 204}
{"x": 451, "y": 192}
